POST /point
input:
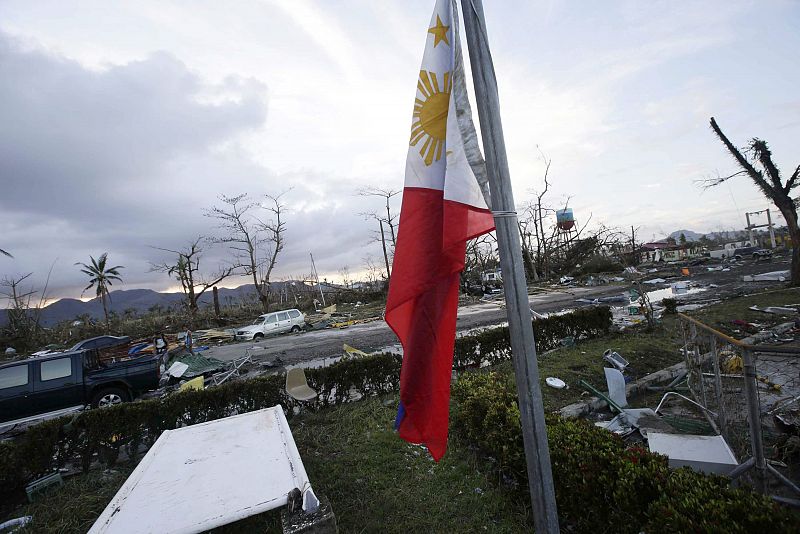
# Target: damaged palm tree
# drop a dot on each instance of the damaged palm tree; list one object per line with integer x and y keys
{"x": 101, "y": 278}
{"x": 756, "y": 163}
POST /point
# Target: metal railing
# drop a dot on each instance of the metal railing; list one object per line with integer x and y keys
{"x": 740, "y": 386}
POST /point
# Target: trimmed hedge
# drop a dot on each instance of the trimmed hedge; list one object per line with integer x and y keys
{"x": 102, "y": 434}
{"x": 602, "y": 485}
{"x": 494, "y": 345}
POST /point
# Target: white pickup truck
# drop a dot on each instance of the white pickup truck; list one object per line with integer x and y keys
{"x": 272, "y": 323}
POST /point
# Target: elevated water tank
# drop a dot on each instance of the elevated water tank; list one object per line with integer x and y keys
{"x": 564, "y": 219}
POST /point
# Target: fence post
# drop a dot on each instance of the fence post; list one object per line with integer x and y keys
{"x": 754, "y": 417}
{"x": 722, "y": 417}
{"x": 698, "y": 363}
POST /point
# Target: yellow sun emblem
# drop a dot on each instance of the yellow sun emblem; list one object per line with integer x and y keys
{"x": 430, "y": 115}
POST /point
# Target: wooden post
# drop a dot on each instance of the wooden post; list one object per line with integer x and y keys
{"x": 216, "y": 301}
{"x": 534, "y": 431}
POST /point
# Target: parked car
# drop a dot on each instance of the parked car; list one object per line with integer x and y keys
{"x": 755, "y": 252}
{"x": 62, "y": 381}
{"x": 272, "y": 323}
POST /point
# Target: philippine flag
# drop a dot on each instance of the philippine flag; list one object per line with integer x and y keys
{"x": 445, "y": 203}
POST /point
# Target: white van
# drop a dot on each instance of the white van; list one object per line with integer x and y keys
{"x": 272, "y": 323}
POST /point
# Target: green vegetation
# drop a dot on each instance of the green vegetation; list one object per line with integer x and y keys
{"x": 647, "y": 352}
{"x": 719, "y": 316}
{"x": 602, "y": 485}
{"x": 375, "y": 482}
{"x": 101, "y": 278}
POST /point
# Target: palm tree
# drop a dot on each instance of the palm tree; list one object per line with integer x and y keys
{"x": 101, "y": 277}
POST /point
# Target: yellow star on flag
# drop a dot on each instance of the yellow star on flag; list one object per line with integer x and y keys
{"x": 439, "y": 32}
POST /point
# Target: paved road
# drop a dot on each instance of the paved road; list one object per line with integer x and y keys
{"x": 306, "y": 346}
{"x": 296, "y": 348}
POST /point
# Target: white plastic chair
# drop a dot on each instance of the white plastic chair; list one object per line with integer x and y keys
{"x": 297, "y": 386}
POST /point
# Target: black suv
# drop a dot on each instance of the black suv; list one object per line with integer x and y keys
{"x": 755, "y": 252}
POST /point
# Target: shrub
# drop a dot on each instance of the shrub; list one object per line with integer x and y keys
{"x": 494, "y": 345}
{"x": 102, "y": 434}
{"x": 599, "y": 264}
{"x": 602, "y": 485}
{"x": 670, "y": 305}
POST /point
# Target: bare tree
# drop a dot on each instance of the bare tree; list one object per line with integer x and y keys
{"x": 23, "y": 313}
{"x": 756, "y": 163}
{"x": 255, "y": 243}
{"x": 480, "y": 256}
{"x": 373, "y": 272}
{"x": 386, "y": 221}
{"x": 344, "y": 272}
{"x": 186, "y": 270}
{"x": 275, "y": 229}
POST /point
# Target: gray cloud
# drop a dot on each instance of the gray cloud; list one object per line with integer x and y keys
{"x": 126, "y": 157}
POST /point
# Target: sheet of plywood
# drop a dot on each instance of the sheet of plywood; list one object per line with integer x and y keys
{"x": 202, "y": 476}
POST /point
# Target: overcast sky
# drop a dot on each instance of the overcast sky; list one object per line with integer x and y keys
{"x": 121, "y": 121}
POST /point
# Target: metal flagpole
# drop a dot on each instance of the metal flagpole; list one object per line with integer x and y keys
{"x": 534, "y": 431}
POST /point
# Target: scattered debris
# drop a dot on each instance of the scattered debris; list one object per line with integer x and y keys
{"x": 706, "y": 454}
{"x": 554, "y": 382}
{"x": 775, "y": 276}
{"x": 213, "y": 335}
{"x": 12, "y": 525}
{"x": 197, "y": 365}
{"x": 197, "y": 383}
{"x": 777, "y": 310}
{"x": 680, "y": 288}
{"x": 177, "y": 369}
{"x": 616, "y": 386}
{"x": 352, "y": 351}
{"x": 615, "y": 359}
{"x": 40, "y": 485}
{"x": 654, "y": 281}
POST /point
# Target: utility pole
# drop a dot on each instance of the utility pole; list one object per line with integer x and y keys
{"x": 769, "y": 225}
{"x": 526, "y": 370}
{"x": 314, "y": 267}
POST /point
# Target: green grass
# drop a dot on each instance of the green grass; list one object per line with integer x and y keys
{"x": 375, "y": 482}
{"x": 647, "y": 352}
{"x": 74, "y": 506}
{"x": 719, "y": 316}
{"x": 378, "y": 483}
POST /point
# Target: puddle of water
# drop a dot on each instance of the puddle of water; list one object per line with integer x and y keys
{"x": 660, "y": 294}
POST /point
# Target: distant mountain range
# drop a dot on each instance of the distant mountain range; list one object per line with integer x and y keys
{"x": 694, "y": 236}
{"x": 140, "y": 300}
